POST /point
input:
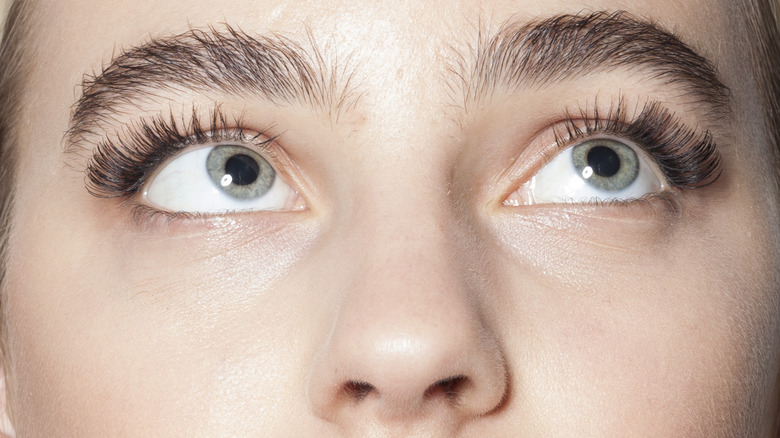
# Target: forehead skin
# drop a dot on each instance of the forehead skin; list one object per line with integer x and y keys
{"x": 566, "y": 321}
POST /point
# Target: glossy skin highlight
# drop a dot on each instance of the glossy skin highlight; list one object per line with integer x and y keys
{"x": 401, "y": 296}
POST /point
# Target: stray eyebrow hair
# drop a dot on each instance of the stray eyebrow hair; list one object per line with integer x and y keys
{"x": 225, "y": 60}
{"x": 569, "y": 46}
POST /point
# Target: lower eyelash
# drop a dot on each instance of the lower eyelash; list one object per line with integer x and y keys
{"x": 119, "y": 167}
{"x": 689, "y": 159}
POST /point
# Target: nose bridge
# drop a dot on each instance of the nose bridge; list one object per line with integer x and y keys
{"x": 410, "y": 271}
{"x": 409, "y": 337}
{"x": 417, "y": 247}
{"x": 405, "y": 239}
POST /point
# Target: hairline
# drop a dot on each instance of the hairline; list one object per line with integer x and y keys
{"x": 16, "y": 61}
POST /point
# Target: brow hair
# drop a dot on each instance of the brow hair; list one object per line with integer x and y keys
{"x": 568, "y": 46}
{"x": 226, "y": 59}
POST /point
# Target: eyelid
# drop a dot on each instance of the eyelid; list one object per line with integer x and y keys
{"x": 688, "y": 158}
{"x": 203, "y": 180}
{"x": 619, "y": 173}
{"x": 120, "y": 166}
{"x": 685, "y": 158}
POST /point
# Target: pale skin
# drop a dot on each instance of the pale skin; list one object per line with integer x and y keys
{"x": 399, "y": 294}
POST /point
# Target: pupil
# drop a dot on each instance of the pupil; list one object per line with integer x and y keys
{"x": 243, "y": 169}
{"x": 604, "y": 161}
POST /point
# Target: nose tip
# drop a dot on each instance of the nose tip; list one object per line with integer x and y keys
{"x": 437, "y": 371}
{"x": 409, "y": 339}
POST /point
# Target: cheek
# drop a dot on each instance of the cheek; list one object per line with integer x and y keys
{"x": 661, "y": 327}
{"x": 194, "y": 329}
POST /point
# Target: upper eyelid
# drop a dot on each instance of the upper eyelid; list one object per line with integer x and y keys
{"x": 687, "y": 156}
{"x": 118, "y": 167}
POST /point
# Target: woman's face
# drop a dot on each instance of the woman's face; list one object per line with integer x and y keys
{"x": 468, "y": 218}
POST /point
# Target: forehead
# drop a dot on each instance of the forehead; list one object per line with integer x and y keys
{"x": 385, "y": 40}
{"x": 344, "y": 18}
{"x": 391, "y": 51}
{"x": 394, "y": 56}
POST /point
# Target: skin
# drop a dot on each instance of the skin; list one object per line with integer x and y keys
{"x": 403, "y": 268}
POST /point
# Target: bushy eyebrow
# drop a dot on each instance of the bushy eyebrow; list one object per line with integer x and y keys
{"x": 570, "y": 46}
{"x": 282, "y": 71}
{"x": 204, "y": 61}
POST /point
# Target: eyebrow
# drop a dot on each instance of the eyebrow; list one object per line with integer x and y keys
{"x": 204, "y": 61}
{"x": 570, "y": 46}
{"x": 280, "y": 70}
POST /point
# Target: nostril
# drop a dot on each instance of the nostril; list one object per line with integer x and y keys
{"x": 451, "y": 388}
{"x": 357, "y": 390}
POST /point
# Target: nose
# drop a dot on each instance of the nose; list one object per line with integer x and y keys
{"x": 409, "y": 343}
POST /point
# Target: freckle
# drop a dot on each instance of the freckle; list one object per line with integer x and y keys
{"x": 359, "y": 120}
{"x": 399, "y": 74}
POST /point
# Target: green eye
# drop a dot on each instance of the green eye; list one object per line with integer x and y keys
{"x": 240, "y": 172}
{"x": 592, "y": 171}
{"x": 606, "y": 164}
{"x": 218, "y": 179}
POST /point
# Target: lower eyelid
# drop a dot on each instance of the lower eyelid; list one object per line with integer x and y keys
{"x": 656, "y": 210}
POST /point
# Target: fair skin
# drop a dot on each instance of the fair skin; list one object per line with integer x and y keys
{"x": 396, "y": 293}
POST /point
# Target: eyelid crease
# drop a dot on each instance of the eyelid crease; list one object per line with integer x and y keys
{"x": 688, "y": 158}
{"x": 118, "y": 168}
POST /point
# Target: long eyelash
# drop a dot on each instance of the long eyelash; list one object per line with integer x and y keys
{"x": 119, "y": 167}
{"x": 688, "y": 158}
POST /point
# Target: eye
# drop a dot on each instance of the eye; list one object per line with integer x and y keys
{"x": 593, "y": 171}
{"x": 219, "y": 179}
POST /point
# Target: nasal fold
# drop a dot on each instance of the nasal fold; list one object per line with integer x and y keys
{"x": 408, "y": 344}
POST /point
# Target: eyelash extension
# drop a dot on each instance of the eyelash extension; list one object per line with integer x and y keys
{"x": 119, "y": 168}
{"x": 689, "y": 159}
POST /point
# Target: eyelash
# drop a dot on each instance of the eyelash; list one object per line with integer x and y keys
{"x": 119, "y": 168}
{"x": 689, "y": 159}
